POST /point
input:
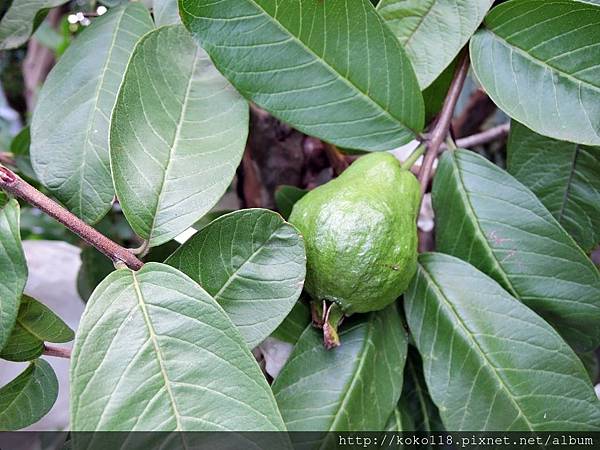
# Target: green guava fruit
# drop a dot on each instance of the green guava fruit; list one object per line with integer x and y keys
{"x": 360, "y": 231}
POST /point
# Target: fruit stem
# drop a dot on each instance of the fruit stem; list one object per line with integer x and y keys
{"x": 413, "y": 157}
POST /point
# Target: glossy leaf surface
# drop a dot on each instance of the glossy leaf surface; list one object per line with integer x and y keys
{"x": 489, "y": 361}
{"x": 21, "y": 19}
{"x": 13, "y": 273}
{"x": 486, "y": 217}
{"x": 331, "y": 69}
{"x": 564, "y": 176}
{"x": 35, "y": 324}
{"x": 177, "y": 136}
{"x": 350, "y": 388}
{"x": 253, "y": 263}
{"x": 433, "y": 31}
{"x": 538, "y": 61}
{"x": 29, "y": 397}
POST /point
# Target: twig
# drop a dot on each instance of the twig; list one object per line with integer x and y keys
{"x": 14, "y": 185}
{"x": 498, "y": 132}
{"x": 58, "y": 352}
{"x": 442, "y": 126}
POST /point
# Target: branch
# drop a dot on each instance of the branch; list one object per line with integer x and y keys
{"x": 58, "y": 352}
{"x": 14, "y": 185}
{"x": 498, "y": 132}
{"x": 442, "y": 126}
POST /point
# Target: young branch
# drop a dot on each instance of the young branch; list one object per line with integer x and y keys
{"x": 442, "y": 126}
{"x": 58, "y": 352}
{"x": 14, "y": 185}
{"x": 498, "y": 132}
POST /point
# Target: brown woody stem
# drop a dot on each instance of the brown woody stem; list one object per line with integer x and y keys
{"x": 442, "y": 126}
{"x": 16, "y": 186}
{"x": 495, "y": 133}
{"x": 58, "y": 352}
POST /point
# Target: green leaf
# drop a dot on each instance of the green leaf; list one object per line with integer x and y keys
{"x": 155, "y": 352}
{"x": 400, "y": 420}
{"x": 564, "y": 176}
{"x": 591, "y": 364}
{"x": 415, "y": 400}
{"x": 19, "y": 147}
{"x": 435, "y": 94}
{"x": 95, "y": 267}
{"x": 342, "y": 389}
{"x": 294, "y": 324}
{"x": 486, "y": 217}
{"x": 286, "y": 197}
{"x": 29, "y": 397}
{"x": 331, "y": 69}
{"x": 35, "y": 324}
{"x": 433, "y": 31}
{"x": 176, "y": 138}
{"x": 538, "y": 61}
{"x": 492, "y": 364}
{"x": 253, "y": 263}
{"x": 13, "y": 273}
{"x": 166, "y": 12}
{"x": 21, "y": 19}
{"x": 69, "y": 131}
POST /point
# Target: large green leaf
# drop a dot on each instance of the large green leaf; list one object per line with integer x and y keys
{"x": 155, "y": 352}
{"x": 70, "y": 127}
{"x": 564, "y": 176}
{"x": 354, "y": 387}
{"x": 253, "y": 263}
{"x": 486, "y": 217}
{"x": 21, "y": 19}
{"x": 13, "y": 267}
{"x": 433, "y": 31}
{"x": 538, "y": 61}
{"x": 35, "y": 324}
{"x": 286, "y": 197}
{"x": 294, "y": 324}
{"x": 166, "y": 12}
{"x": 332, "y": 69}
{"x": 489, "y": 361}
{"x": 29, "y": 397}
{"x": 415, "y": 400}
{"x": 177, "y": 135}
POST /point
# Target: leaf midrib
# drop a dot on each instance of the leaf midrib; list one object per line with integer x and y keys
{"x": 470, "y": 212}
{"x": 474, "y": 344}
{"x": 157, "y": 350}
{"x": 331, "y": 69}
{"x": 173, "y": 147}
{"x": 350, "y": 389}
{"x": 101, "y": 79}
{"x": 565, "y": 197}
{"x": 233, "y": 276}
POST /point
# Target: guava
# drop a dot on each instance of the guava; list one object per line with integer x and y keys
{"x": 360, "y": 231}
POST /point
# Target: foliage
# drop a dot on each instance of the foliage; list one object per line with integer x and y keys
{"x": 153, "y": 108}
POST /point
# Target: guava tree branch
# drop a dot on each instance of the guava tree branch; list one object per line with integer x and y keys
{"x": 493, "y": 134}
{"x": 58, "y": 352}
{"x": 16, "y": 186}
{"x": 442, "y": 125}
